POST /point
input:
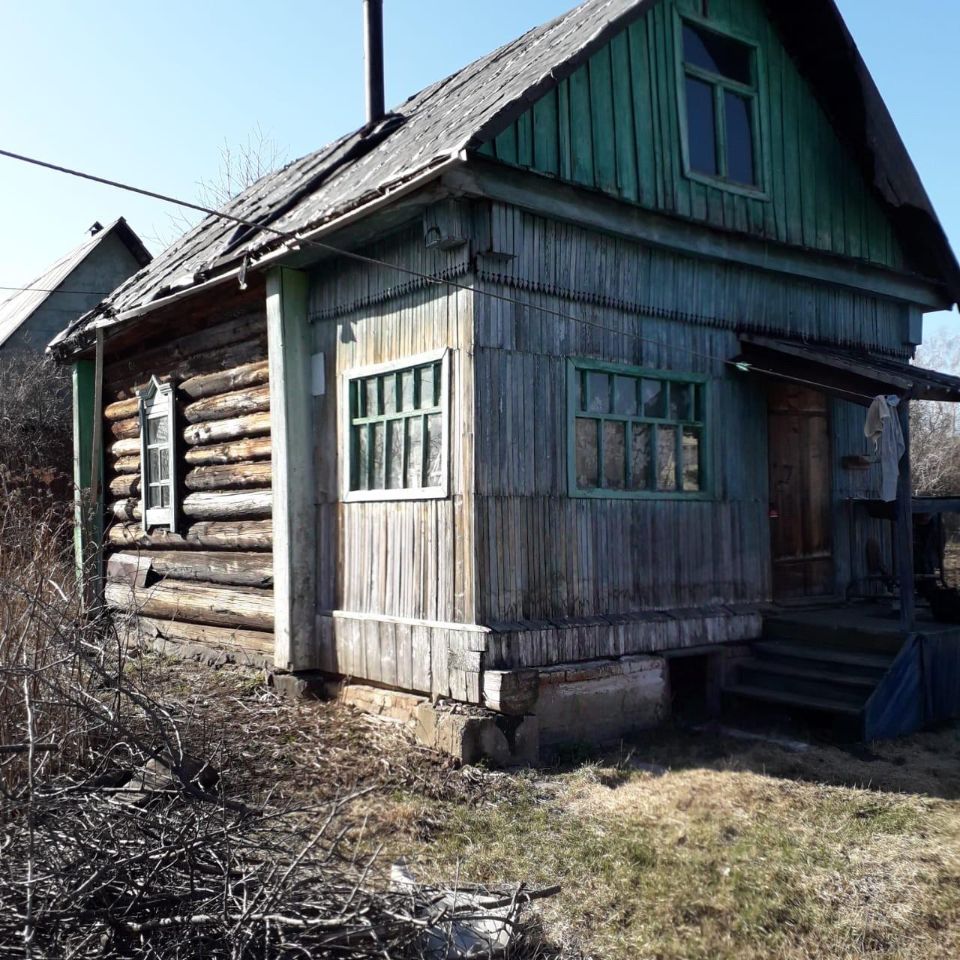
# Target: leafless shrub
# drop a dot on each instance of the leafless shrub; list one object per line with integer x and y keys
{"x": 36, "y": 431}
{"x": 934, "y": 427}
{"x": 120, "y": 838}
{"x": 239, "y": 167}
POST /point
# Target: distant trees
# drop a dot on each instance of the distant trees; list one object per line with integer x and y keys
{"x": 240, "y": 166}
{"x": 935, "y": 426}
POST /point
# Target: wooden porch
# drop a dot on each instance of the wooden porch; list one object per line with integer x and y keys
{"x": 850, "y": 671}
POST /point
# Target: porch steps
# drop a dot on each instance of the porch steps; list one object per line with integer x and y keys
{"x": 822, "y": 678}
{"x": 768, "y": 695}
{"x": 830, "y": 658}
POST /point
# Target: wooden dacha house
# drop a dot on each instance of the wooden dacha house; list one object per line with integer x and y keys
{"x": 545, "y": 392}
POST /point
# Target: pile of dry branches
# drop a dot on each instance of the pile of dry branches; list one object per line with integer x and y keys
{"x": 119, "y": 837}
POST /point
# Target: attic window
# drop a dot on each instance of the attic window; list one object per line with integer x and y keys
{"x": 157, "y": 455}
{"x": 719, "y": 107}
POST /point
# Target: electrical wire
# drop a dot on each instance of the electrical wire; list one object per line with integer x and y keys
{"x": 96, "y": 293}
{"x": 295, "y": 239}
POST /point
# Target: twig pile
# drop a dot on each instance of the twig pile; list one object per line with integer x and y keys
{"x": 119, "y": 838}
{"x": 99, "y": 875}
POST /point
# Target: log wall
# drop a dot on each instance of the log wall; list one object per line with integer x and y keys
{"x": 211, "y": 582}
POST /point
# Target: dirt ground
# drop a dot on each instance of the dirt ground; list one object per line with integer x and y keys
{"x": 676, "y": 845}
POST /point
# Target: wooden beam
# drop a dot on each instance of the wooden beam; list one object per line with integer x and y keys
{"x": 294, "y": 513}
{"x": 558, "y": 201}
{"x": 936, "y": 504}
{"x": 904, "y": 531}
{"x": 95, "y": 592}
{"x": 84, "y": 533}
{"x": 243, "y": 607}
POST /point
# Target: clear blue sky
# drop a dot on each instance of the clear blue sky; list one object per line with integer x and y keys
{"x": 148, "y": 92}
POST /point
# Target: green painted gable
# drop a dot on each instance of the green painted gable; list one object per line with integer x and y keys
{"x": 614, "y": 125}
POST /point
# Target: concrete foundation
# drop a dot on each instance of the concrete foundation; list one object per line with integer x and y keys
{"x": 601, "y": 701}
{"x": 472, "y": 734}
{"x": 525, "y": 711}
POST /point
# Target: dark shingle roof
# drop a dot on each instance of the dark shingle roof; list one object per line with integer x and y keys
{"x": 426, "y": 130}
{"x": 467, "y": 108}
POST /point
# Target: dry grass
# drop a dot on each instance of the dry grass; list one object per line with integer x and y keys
{"x": 739, "y": 850}
{"x": 37, "y": 602}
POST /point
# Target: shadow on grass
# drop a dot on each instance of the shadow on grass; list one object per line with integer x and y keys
{"x": 924, "y": 764}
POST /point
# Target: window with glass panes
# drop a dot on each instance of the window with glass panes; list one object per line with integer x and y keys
{"x": 720, "y": 106}
{"x": 397, "y": 425}
{"x": 157, "y": 455}
{"x": 636, "y": 433}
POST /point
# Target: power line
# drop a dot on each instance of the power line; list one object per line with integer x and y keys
{"x": 96, "y": 293}
{"x": 293, "y": 238}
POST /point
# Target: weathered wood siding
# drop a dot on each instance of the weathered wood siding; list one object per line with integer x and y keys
{"x": 542, "y": 257}
{"x": 409, "y": 559}
{"x": 542, "y": 555}
{"x": 211, "y": 582}
{"x": 614, "y": 126}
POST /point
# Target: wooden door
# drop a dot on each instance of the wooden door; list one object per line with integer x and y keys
{"x": 800, "y": 501}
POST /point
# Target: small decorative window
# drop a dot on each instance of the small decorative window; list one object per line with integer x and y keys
{"x": 397, "y": 430}
{"x": 635, "y": 433}
{"x": 158, "y": 455}
{"x": 719, "y": 107}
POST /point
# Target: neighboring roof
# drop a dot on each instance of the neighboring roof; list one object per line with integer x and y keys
{"x": 20, "y": 306}
{"x": 855, "y": 375}
{"x": 468, "y": 108}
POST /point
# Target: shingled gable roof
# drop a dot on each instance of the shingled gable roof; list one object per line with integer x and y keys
{"x": 18, "y": 308}
{"x": 465, "y": 110}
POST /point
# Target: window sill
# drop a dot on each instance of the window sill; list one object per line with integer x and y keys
{"x": 377, "y": 496}
{"x": 698, "y": 497}
{"x": 729, "y": 186}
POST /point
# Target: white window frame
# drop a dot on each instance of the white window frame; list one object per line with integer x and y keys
{"x": 157, "y": 401}
{"x": 439, "y": 492}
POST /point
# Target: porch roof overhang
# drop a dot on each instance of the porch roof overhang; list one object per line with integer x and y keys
{"x": 854, "y": 375}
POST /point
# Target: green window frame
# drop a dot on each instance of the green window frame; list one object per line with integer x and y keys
{"x": 397, "y": 429}
{"x": 722, "y": 87}
{"x": 636, "y": 433}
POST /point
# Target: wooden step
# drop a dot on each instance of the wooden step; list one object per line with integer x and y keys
{"x": 806, "y": 678}
{"x": 807, "y": 673}
{"x": 859, "y": 639}
{"x": 823, "y": 654}
{"x": 803, "y": 701}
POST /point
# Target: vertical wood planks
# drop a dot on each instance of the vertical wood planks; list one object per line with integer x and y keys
{"x": 616, "y": 125}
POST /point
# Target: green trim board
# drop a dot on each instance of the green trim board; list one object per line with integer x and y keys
{"x": 814, "y": 196}
{"x": 87, "y": 521}
{"x": 656, "y": 419}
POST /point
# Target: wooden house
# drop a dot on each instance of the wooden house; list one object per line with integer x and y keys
{"x": 69, "y": 288}
{"x": 545, "y": 392}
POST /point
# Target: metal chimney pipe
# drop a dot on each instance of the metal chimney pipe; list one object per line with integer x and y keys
{"x": 373, "y": 58}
